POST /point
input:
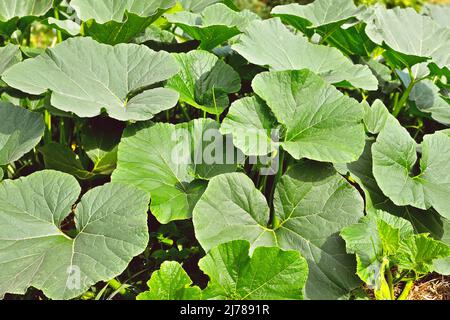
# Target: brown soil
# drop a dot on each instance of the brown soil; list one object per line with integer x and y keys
{"x": 435, "y": 287}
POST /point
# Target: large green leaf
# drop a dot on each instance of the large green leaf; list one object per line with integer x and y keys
{"x": 374, "y": 239}
{"x": 103, "y": 11}
{"x": 111, "y": 228}
{"x": 328, "y": 14}
{"x": 334, "y": 20}
{"x": 394, "y": 159}
{"x": 12, "y": 10}
{"x": 419, "y": 252}
{"x": 214, "y": 26}
{"x": 9, "y": 56}
{"x": 423, "y": 221}
{"x": 170, "y": 282}
{"x": 86, "y": 77}
{"x": 428, "y": 98}
{"x": 439, "y": 13}
{"x": 20, "y": 131}
{"x": 167, "y": 161}
{"x": 197, "y": 6}
{"x": 321, "y": 123}
{"x": 204, "y": 81}
{"x": 312, "y": 204}
{"x": 269, "y": 274}
{"x": 410, "y": 37}
{"x": 295, "y": 52}
{"x": 117, "y": 21}
{"x": 381, "y": 240}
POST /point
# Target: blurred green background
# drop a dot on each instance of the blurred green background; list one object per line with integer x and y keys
{"x": 263, "y": 6}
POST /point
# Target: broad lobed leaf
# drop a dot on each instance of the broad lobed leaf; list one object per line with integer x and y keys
{"x": 423, "y": 39}
{"x": 174, "y": 173}
{"x": 312, "y": 204}
{"x": 321, "y": 123}
{"x": 118, "y": 21}
{"x": 20, "y": 131}
{"x": 394, "y": 160}
{"x": 360, "y": 191}
{"x": 170, "y": 282}
{"x": 111, "y": 228}
{"x": 86, "y": 77}
{"x": 204, "y": 81}
{"x": 325, "y": 61}
{"x": 268, "y": 274}
{"x": 215, "y": 25}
